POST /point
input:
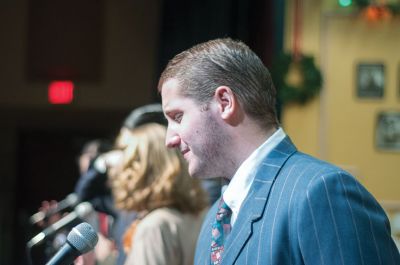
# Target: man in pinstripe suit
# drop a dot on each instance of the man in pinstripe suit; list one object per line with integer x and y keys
{"x": 287, "y": 207}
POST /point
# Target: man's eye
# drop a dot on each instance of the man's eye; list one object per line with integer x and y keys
{"x": 178, "y": 117}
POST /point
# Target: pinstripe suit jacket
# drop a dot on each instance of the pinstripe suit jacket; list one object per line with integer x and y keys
{"x": 301, "y": 210}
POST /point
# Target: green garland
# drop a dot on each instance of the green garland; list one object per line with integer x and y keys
{"x": 310, "y": 85}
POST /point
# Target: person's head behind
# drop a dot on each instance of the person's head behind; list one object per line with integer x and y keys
{"x": 150, "y": 113}
{"x": 90, "y": 151}
{"x": 152, "y": 176}
{"x": 225, "y": 62}
{"x": 145, "y": 114}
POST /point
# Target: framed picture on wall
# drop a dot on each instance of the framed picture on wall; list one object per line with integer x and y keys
{"x": 388, "y": 131}
{"x": 370, "y": 80}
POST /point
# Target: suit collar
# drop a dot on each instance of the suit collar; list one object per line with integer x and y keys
{"x": 254, "y": 205}
{"x": 240, "y": 185}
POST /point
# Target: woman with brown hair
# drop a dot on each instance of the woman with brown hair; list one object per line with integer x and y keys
{"x": 153, "y": 181}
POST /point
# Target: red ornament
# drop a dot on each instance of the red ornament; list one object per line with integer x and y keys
{"x": 376, "y": 12}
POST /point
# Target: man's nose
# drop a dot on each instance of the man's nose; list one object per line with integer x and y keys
{"x": 172, "y": 140}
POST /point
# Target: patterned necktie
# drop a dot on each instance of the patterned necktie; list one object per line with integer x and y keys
{"x": 220, "y": 231}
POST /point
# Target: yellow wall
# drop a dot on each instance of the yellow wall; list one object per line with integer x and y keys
{"x": 302, "y": 122}
{"x": 337, "y": 126}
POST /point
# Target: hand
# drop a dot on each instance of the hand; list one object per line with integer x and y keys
{"x": 104, "y": 251}
{"x": 45, "y": 208}
{"x": 86, "y": 259}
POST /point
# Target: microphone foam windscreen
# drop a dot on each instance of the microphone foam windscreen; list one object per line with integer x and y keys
{"x": 83, "y": 209}
{"x": 83, "y": 237}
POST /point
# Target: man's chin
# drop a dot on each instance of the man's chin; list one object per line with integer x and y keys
{"x": 196, "y": 173}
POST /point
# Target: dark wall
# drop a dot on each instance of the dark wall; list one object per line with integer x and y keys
{"x": 65, "y": 40}
{"x": 108, "y": 49}
{"x": 45, "y": 150}
{"x": 256, "y": 22}
{"x": 135, "y": 41}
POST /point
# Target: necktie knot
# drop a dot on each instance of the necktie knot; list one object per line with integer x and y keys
{"x": 220, "y": 230}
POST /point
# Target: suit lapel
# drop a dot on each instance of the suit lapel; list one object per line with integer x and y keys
{"x": 254, "y": 205}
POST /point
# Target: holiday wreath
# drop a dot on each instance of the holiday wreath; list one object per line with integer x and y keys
{"x": 311, "y": 79}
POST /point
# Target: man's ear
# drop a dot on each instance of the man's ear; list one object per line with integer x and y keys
{"x": 227, "y": 102}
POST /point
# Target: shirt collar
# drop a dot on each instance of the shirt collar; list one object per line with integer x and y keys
{"x": 239, "y": 186}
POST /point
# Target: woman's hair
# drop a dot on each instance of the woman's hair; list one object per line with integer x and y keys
{"x": 152, "y": 176}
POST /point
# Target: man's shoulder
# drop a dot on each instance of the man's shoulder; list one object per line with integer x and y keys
{"x": 303, "y": 171}
{"x": 303, "y": 159}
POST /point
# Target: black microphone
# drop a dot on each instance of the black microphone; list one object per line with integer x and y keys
{"x": 80, "y": 240}
{"x": 81, "y": 211}
{"x": 68, "y": 203}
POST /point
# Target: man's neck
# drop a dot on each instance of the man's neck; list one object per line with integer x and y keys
{"x": 246, "y": 140}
